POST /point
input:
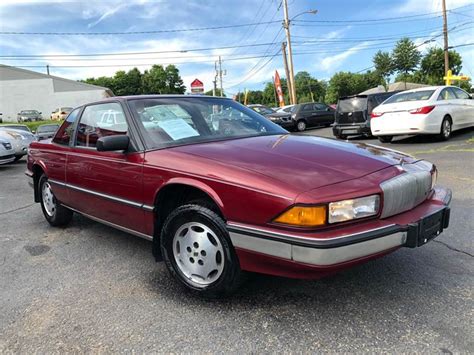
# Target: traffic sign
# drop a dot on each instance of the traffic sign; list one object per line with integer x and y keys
{"x": 197, "y": 86}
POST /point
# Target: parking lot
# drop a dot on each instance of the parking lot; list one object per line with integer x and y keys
{"x": 89, "y": 287}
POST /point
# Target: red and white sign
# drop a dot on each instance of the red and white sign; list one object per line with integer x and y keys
{"x": 279, "y": 90}
{"x": 197, "y": 86}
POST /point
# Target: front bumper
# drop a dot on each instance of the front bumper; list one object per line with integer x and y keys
{"x": 7, "y": 159}
{"x": 314, "y": 252}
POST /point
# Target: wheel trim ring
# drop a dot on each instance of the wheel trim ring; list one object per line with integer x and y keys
{"x": 195, "y": 273}
{"x": 48, "y": 199}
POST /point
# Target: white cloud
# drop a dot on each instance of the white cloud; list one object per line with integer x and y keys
{"x": 420, "y": 6}
{"x": 334, "y": 61}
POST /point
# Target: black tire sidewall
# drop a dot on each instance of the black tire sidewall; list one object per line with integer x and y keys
{"x": 195, "y": 213}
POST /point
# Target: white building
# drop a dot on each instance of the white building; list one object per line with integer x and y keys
{"x": 22, "y": 89}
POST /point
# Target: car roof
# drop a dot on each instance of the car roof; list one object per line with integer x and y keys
{"x": 155, "y": 96}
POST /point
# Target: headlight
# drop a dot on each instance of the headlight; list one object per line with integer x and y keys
{"x": 353, "y": 209}
{"x": 303, "y": 216}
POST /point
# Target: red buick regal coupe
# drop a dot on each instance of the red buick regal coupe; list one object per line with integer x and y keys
{"x": 219, "y": 189}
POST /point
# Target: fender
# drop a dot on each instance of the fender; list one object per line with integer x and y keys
{"x": 198, "y": 185}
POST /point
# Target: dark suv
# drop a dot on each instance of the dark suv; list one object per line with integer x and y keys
{"x": 353, "y": 114}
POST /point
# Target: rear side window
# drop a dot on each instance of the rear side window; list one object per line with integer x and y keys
{"x": 65, "y": 132}
{"x": 461, "y": 94}
{"x": 447, "y": 94}
{"x": 98, "y": 121}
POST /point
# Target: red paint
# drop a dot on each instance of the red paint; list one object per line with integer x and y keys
{"x": 251, "y": 180}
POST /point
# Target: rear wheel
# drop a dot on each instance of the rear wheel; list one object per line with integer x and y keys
{"x": 198, "y": 252}
{"x": 301, "y": 126}
{"x": 385, "y": 139}
{"x": 446, "y": 129}
{"x": 55, "y": 214}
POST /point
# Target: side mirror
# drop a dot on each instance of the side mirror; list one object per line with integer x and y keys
{"x": 113, "y": 143}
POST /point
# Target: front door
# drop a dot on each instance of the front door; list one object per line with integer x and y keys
{"x": 105, "y": 185}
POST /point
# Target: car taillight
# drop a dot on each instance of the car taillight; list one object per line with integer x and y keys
{"x": 376, "y": 114}
{"x": 422, "y": 110}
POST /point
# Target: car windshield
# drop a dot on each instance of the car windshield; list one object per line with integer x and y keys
{"x": 28, "y": 112}
{"x": 176, "y": 121}
{"x": 410, "y": 96}
{"x": 19, "y": 127}
{"x": 47, "y": 128}
{"x": 352, "y": 104}
{"x": 263, "y": 110}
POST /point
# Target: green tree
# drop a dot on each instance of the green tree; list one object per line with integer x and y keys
{"x": 406, "y": 57}
{"x": 309, "y": 89}
{"x": 174, "y": 83}
{"x": 432, "y": 65}
{"x": 134, "y": 82}
{"x": 384, "y": 66}
{"x": 347, "y": 83}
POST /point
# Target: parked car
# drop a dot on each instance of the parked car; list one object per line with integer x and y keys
{"x": 219, "y": 189}
{"x": 46, "y": 131}
{"x": 353, "y": 114}
{"x": 437, "y": 110}
{"x": 19, "y": 139}
{"x": 29, "y": 116}
{"x": 6, "y": 151}
{"x": 19, "y": 127}
{"x": 280, "y": 118}
{"x": 311, "y": 115}
{"x": 60, "y": 113}
{"x": 286, "y": 108}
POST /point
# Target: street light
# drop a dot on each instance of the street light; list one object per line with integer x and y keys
{"x": 286, "y": 26}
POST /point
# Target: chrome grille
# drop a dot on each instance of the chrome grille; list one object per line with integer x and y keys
{"x": 408, "y": 190}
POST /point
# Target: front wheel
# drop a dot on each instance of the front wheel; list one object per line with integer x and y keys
{"x": 446, "y": 129}
{"x": 301, "y": 126}
{"x": 385, "y": 139}
{"x": 55, "y": 214}
{"x": 198, "y": 252}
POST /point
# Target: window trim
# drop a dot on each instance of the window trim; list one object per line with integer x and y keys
{"x": 135, "y": 144}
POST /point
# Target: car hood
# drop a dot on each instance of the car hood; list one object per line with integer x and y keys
{"x": 302, "y": 162}
{"x": 279, "y": 114}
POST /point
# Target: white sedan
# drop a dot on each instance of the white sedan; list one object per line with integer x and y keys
{"x": 430, "y": 110}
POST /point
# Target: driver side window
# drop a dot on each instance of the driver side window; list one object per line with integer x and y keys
{"x": 98, "y": 121}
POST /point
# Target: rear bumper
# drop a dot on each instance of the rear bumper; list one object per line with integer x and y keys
{"x": 351, "y": 129}
{"x": 314, "y": 255}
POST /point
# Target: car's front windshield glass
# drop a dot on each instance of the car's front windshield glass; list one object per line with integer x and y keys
{"x": 28, "y": 112}
{"x": 410, "y": 96}
{"x": 176, "y": 121}
{"x": 263, "y": 110}
{"x": 47, "y": 128}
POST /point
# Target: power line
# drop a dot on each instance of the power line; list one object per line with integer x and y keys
{"x": 136, "y": 32}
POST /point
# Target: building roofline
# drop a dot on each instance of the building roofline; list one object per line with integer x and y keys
{"x": 54, "y": 77}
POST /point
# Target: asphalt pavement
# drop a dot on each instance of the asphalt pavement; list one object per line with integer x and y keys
{"x": 91, "y": 288}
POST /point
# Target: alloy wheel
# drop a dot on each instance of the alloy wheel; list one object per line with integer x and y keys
{"x": 198, "y": 253}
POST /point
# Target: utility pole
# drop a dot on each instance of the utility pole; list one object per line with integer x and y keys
{"x": 47, "y": 69}
{"x": 445, "y": 33}
{"x": 219, "y": 73}
{"x": 286, "y": 25}
{"x": 287, "y": 73}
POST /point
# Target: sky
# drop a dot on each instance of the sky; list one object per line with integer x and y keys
{"x": 342, "y": 36}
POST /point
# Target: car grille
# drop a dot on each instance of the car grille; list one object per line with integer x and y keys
{"x": 408, "y": 190}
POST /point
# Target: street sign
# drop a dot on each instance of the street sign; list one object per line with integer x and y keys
{"x": 450, "y": 77}
{"x": 197, "y": 86}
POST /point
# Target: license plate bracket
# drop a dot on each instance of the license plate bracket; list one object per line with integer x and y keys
{"x": 427, "y": 228}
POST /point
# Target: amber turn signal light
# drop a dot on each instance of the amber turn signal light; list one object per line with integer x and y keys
{"x": 303, "y": 216}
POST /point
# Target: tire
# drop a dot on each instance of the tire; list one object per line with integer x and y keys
{"x": 301, "y": 126}
{"x": 56, "y": 214}
{"x": 197, "y": 251}
{"x": 385, "y": 139}
{"x": 446, "y": 129}
{"x": 18, "y": 158}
